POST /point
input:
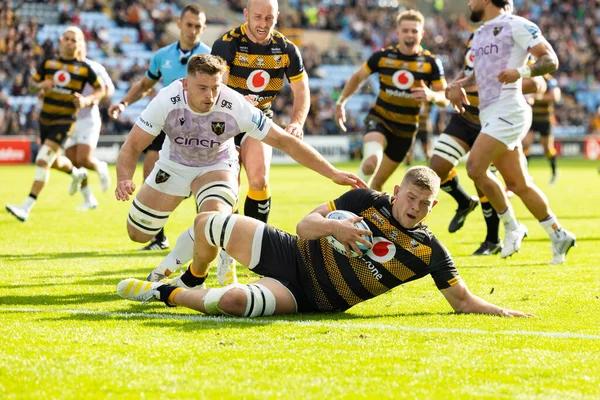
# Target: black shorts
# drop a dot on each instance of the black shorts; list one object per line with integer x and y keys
{"x": 237, "y": 139}
{"x": 397, "y": 146}
{"x": 56, "y": 133}
{"x": 542, "y": 127}
{"x": 463, "y": 129}
{"x": 281, "y": 260}
{"x": 157, "y": 143}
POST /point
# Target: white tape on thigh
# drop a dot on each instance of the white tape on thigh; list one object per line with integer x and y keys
{"x": 46, "y": 154}
{"x": 256, "y": 246}
{"x": 449, "y": 149}
{"x": 221, "y": 191}
{"x": 218, "y": 228}
{"x": 145, "y": 219}
{"x": 42, "y": 174}
{"x": 372, "y": 149}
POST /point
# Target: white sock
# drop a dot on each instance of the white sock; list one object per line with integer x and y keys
{"x": 553, "y": 228}
{"x": 87, "y": 193}
{"x": 182, "y": 253}
{"x": 28, "y": 203}
{"x": 508, "y": 219}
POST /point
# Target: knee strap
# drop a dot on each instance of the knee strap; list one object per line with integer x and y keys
{"x": 46, "y": 154}
{"x": 221, "y": 191}
{"x": 449, "y": 149}
{"x": 260, "y": 300}
{"x": 42, "y": 174}
{"x": 146, "y": 219}
{"x": 372, "y": 149}
{"x": 218, "y": 228}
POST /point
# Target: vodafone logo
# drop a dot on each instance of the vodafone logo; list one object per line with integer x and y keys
{"x": 469, "y": 59}
{"x": 62, "y": 77}
{"x": 258, "y": 80}
{"x": 403, "y": 79}
{"x": 383, "y": 250}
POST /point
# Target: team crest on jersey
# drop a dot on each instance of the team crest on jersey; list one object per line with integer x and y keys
{"x": 497, "y": 30}
{"x": 62, "y": 77}
{"x": 218, "y": 127}
{"x": 382, "y": 251}
{"x": 258, "y": 80}
{"x": 161, "y": 176}
{"x": 403, "y": 79}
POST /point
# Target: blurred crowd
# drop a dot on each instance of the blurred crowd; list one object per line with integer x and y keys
{"x": 576, "y": 40}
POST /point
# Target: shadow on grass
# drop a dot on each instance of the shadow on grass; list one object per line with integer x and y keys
{"x": 82, "y": 254}
{"x": 563, "y": 218}
{"x": 58, "y": 300}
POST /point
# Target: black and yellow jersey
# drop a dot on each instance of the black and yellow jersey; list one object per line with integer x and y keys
{"x": 471, "y": 113}
{"x": 259, "y": 69}
{"x": 398, "y": 73}
{"x": 399, "y": 255}
{"x": 543, "y": 111}
{"x": 70, "y": 77}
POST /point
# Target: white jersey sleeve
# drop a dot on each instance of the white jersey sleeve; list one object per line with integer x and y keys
{"x": 253, "y": 121}
{"x": 526, "y": 34}
{"x": 153, "y": 118}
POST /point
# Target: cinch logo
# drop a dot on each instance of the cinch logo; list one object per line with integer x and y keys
{"x": 403, "y": 79}
{"x": 383, "y": 250}
{"x": 485, "y": 50}
{"x": 258, "y": 80}
{"x": 62, "y": 77}
{"x": 195, "y": 142}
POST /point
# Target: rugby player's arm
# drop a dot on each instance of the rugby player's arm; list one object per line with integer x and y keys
{"x": 301, "y": 103}
{"x": 309, "y": 157}
{"x": 353, "y": 84}
{"x": 136, "y": 142}
{"x": 463, "y": 301}
{"x": 546, "y": 59}
{"x": 438, "y": 94}
{"x": 138, "y": 90}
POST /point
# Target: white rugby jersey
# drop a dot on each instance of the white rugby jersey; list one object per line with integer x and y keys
{"x": 196, "y": 139}
{"x": 88, "y": 89}
{"x": 501, "y": 43}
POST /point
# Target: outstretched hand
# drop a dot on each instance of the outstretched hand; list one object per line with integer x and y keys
{"x": 295, "y": 130}
{"x": 513, "y": 313}
{"x": 349, "y": 179}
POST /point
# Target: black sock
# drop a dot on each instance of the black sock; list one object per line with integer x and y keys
{"x": 190, "y": 280}
{"x": 552, "y": 161}
{"x": 258, "y": 205}
{"x": 454, "y": 189}
{"x": 165, "y": 291}
{"x": 160, "y": 236}
{"x": 492, "y": 221}
{"x": 33, "y": 196}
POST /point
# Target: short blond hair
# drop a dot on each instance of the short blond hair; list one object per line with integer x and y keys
{"x": 423, "y": 177}
{"x": 80, "y": 37}
{"x": 410, "y": 15}
{"x": 206, "y": 64}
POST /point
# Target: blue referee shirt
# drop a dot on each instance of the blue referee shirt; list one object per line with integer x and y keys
{"x": 166, "y": 63}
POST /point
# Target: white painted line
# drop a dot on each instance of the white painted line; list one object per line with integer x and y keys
{"x": 310, "y": 323}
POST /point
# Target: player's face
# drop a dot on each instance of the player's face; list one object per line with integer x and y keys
{"x": 261, "y": 17}
{"x": 476, "y": 7}
{"x": 202, "y": 91}
{"x": 412, "y": 205}
{"x": 191, "y": 27}
{"x": 68, "y": 45}
{"x": 410, "y": 34}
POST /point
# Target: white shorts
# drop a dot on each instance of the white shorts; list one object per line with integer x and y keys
{"x": 507, "y": 120}
{"x": 86, "y": 131}
{"x": 176, "y": 180}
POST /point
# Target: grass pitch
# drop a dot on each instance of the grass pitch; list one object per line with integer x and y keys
{"x": 66, "y": 334}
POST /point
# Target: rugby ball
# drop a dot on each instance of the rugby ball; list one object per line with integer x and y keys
{"x": 337, "y": 245}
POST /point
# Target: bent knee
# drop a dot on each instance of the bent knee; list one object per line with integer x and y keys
{"x": 517, "y": 187}
{"x": 476, "y": 171}
{"x": 234, "y": 302}
{"x": 136, "y": 235}
{"x": 369, "y": 165}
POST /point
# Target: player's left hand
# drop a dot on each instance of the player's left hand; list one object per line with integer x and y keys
{"x": 421, "y": 92}
{"x": 508, "y": 76}
{"x": 349, "y": 179}
{"x": 295, "y": 129}
{"x": 513, "y": 313}
{"x": 79, "y": 100}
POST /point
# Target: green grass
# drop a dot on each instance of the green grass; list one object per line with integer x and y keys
{"x": 66, "y": 334}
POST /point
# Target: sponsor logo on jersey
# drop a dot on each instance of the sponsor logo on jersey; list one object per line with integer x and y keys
{"x": 258, "y": 80}
{"x": 161, "y": 176}
{"x": 382, "y": 251}
{"x": 469, "y": 59}
{"x": 398, "y": 93}
{"x": 218, "y": 127}
{"x": 167, "y": 64}
{"x": 243, "y": 59}
{"x": 148, "y": 124}
{"x": 485, "y": 50}
{"x": 62, "y": 78}
{"x": 175, "y": 99}
{"x": 226, "y": 104}
{"x": 275, "y": 50}
{"x": 61, "y": 90}
{"x": 195, "y": 142}
{"x": 373, "y": 270}
{"x": 403, "y": 79}
{"x": 182, "y": 121}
